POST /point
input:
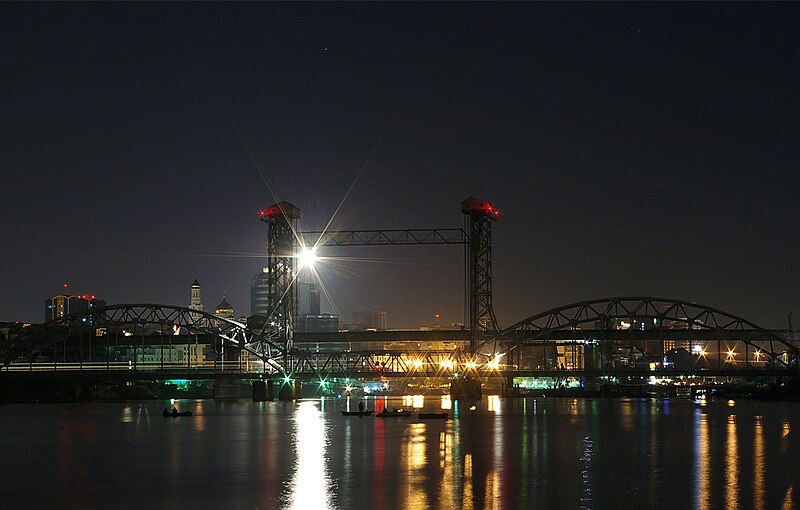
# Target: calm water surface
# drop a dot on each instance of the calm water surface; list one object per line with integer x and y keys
{"x": 520, "y": 453}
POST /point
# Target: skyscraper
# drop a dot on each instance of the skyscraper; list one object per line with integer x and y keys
{"x": 259, "y": 293}
{"x": 308, "y": 299}
{"x": 371, "y": 319}
{"x": 61, "y": 305}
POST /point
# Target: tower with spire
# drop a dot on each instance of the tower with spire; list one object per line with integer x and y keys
{"x": 196, "y": 303}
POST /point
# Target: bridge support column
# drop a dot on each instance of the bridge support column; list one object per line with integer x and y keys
{"x": 259, "y": 391}
{"x": 465, "y": 389}
{"x": 509, "y": 389}
{"x": 227, "y": 388}
{"x": 290, "y": 391}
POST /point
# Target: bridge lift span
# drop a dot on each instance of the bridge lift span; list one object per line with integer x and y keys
{"x": 285, "y": 241}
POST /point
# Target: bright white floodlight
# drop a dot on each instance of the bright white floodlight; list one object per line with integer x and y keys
{"x": 307, "y": 258}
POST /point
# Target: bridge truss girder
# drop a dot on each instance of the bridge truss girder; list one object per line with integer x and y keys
{"x": 383, "y": 237}
{"x": 380, "y": 362}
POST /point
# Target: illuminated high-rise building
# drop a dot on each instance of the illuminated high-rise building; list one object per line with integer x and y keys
{"x": 308, "y": 302}
{"x": 259, "y": 293}
{"x": 61, "y": 305}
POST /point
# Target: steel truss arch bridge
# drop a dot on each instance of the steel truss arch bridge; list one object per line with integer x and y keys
{"x": 611, "y": 335}
{"x": 119, "y": 335}
{"x": 647, "y": 325}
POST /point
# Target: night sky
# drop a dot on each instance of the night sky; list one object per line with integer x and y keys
{"x": 632, "y": 149}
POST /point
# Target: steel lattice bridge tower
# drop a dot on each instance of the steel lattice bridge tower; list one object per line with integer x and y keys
{"x": 285, "y": 242}
{"x": 281, "y": 219}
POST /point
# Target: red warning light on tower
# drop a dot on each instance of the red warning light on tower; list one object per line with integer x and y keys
{"x": 478, "y": 207}
{"x": 280, "y": 209}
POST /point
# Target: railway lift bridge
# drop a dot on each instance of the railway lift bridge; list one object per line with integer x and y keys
{"x": 286, "y": 244}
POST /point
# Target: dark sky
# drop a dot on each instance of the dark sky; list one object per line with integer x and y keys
{"x": 633, "y": 149}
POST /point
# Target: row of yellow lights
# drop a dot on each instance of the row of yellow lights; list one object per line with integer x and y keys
{"x": 732, "y": 354}
{"x": 469, "y": 365}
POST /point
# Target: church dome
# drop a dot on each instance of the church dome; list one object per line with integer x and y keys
{"x": 224, "y": 305}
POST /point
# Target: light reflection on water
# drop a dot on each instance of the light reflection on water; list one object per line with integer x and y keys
{"x": 701, "y": 461}
{"x": 758, "y": 465}
{"x": 507, "y": 453}
{"x": 732, "y": 466}
{"x": 412, "y": 451}
{"x": 468, "y": 494}
{"x": 445, "y": 402}
{"x": 310, "y": 485}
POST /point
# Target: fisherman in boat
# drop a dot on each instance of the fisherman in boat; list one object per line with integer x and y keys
{"x": 360, "y": 406}
{"x": 174, "y": 412}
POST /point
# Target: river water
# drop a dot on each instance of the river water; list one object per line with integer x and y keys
{"x": 506, "y": 453}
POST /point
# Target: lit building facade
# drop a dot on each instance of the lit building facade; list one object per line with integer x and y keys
{"x": 61, "y": 305}
{"x": 259, "y": 293}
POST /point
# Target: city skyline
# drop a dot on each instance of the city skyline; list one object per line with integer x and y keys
{"x": 644, "y": 150}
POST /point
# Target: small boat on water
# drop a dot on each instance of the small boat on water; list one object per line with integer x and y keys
{"x": 393, "y": 414}
{"x": 175, "y": 413}
{"x": 357, "y": 413}
{"x": 433, "y": 416}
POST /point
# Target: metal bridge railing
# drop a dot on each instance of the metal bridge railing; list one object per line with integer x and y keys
{"x": 154, "y": 366}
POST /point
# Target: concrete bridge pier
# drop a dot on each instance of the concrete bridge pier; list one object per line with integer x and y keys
{"x": 465, "y": 389}
{"x": 290, "y": 391}
{"x": 509, "y": 389}
{"x": 227, "y": 388}
{"x": 263, "y": 391}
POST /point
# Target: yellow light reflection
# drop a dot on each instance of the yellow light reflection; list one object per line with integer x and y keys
{"x": 199, "y": 420}
{"x": 492, "y": 498}
{"x": 758, "y": 466}
{"x": 448, "y": 498}
{"x": 446, "y": 402}
{"x": 731, "y": 467}
{"x": 310, "y": 485}
{"x": 788, "y": 499}
{"x": 701, "y": 462}
{"x": 493, "y": 402}
{"x": 468, "y": 495}
{"x": 413, "y": 453}
{"x": 626, "y": 409}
